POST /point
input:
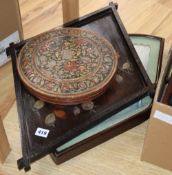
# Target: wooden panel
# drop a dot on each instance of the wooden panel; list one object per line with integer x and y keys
{"x": 4, "y": 145}
{"x": 164, "y": 29}
{"x": 7, "y": 93}
{"x": 70, "y": 10}
{"x": 147, "y": 20}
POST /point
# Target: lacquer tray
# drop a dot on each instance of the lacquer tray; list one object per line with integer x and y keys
{"x": 38, "y": 138}
{"x": 150, "y": 51}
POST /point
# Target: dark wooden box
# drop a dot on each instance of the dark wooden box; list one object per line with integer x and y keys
{"x": 104, "y": 131}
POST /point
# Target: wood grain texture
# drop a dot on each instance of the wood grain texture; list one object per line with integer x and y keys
{"x": 4, "y": 144}
{"x": 70, "y": 10}
{"x": 120, "y": 155}
{"x": 7, "y": 94}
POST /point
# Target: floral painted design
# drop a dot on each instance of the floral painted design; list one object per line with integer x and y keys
{"x": 67, "y": 61}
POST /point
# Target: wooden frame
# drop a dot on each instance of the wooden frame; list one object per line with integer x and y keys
{"x": 162, "y": 41}
{"x": 92, "y": 141}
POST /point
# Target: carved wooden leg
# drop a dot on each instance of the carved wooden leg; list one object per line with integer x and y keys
{"x": 4, "y": 144}
{"x": 70, "y": 10}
